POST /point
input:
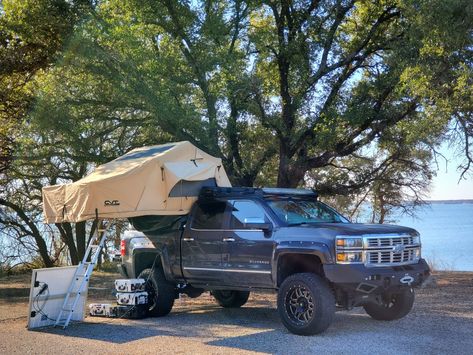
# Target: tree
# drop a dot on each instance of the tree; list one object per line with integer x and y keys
{"x": 351, "y": 97}
{"x": 344, "y": 74}
{"x": 32, "y": 36}
{"x": 319, "y": 81}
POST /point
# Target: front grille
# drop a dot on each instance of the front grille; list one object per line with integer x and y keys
{"x": 389, "y": 257}
{"x": 390, "y": 250}
{"x": 390, "y": 241}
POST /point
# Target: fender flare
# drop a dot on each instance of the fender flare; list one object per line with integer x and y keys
{"x": 163, "y": 258}
{"x": 321, "y": 250}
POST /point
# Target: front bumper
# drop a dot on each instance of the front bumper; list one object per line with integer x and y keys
{"x": 358, "y": 277}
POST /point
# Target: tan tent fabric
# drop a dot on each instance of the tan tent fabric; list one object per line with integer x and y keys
{"x": 135, "y": 184}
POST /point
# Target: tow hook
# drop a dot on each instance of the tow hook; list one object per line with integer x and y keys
{"x": 407, "y": 280}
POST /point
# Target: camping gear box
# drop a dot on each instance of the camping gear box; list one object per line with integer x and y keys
{"x": 129, "y": 312}
{"x": 100, "y": 309}
{"x": 135, "y": 298}
{"x": 118, "y": 311}
{"x": 130, "y": 285}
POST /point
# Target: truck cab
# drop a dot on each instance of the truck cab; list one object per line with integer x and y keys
{"x": 238, "y": 240}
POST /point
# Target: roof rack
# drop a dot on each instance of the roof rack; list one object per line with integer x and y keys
{"x": 288, "y": 191}
{"x": 215, "y": 192}
{"x": 228, "y": 192}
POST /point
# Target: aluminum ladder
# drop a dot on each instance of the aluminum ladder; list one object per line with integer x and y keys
{"x": 81, "y": 277}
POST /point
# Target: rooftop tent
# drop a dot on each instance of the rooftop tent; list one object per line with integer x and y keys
{"x": 156, "y": 180}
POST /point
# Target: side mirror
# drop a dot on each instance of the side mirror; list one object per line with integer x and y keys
{"x": 258, "y": 223}
{"x": 263, "y": 226}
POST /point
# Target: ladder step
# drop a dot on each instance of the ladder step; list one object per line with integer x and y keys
{"x": 87, "y": 263}
{"x": 81, "y": 278}
{"x": 62, "y": 324}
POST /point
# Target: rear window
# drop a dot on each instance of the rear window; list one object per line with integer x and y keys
{"x": 209, "y": 215}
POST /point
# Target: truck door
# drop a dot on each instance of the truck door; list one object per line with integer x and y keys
{"x": 201, "y": 243}
{"x": 247, "y": 252}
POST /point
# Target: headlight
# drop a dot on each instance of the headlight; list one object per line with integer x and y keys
{"x": 416, "y": 239}
{"x": 349, "y": 249}
{"x": 344, "y": 243}
{"x": 356, "y": 257}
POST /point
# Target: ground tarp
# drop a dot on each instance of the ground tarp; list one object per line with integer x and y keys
{"x": 156, "y": 180}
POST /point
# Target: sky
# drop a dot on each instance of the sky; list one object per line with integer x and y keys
{"x": 445, "y": 185}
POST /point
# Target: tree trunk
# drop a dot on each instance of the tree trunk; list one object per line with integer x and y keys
{"x": 67, "y": 236}
{"x": 80, "y": 239}
{"x": 290, "y": 174}
{"x": 99, "y": 259}
{"x": 382, "y": 215}
{"x": 43, "y": 250}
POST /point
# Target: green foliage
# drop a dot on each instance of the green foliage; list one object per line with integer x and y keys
{"x": 32, "y": 34}
{"x": 351, "y": 97}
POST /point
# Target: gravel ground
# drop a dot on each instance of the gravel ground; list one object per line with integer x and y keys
{"x": 441, "y": 322}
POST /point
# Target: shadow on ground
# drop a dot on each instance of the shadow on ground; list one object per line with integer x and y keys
{"x": 13, "y": 293}
{"x": 259, "y": 329}
{"x": 441, "y": 321}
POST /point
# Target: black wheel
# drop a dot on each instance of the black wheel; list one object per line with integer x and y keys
{"x": 306, "y": 304}
{"x": 395, "y": 306}
{"x": 161, "y": 293}
{"x": 231, "y": 299}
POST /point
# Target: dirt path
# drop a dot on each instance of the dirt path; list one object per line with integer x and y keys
{"x": 441, "y": 322}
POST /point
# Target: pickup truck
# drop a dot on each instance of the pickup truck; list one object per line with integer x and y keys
{"x": 238, "y": 240}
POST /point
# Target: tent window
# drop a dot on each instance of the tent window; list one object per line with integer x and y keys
{"x": 190, "y": 188}
{"x": 145, "y": 153}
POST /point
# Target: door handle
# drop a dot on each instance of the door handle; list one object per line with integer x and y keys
{"x": 228, "y": 239}
{"x": 188, "y": 239}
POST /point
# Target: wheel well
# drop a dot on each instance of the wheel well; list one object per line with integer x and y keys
{"x": 145, "y": 260}
{"x": 290, "y": 264}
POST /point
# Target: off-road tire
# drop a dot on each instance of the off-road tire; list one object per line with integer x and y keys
{"x": 309, "y": 297}
{"x": 399, "y": 306}
{"x": 231, "y": 299}
{"x": 161, "y": 293}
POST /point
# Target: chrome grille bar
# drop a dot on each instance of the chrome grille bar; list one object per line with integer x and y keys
{"x": 390, "y": 250}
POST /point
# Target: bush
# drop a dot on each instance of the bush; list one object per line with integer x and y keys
{"x": 108, "y": 266}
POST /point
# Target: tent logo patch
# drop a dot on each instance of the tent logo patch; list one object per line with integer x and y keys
{"x": 111, "y": 203}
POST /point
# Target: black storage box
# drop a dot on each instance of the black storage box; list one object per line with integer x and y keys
{"x": 138, "y": 311}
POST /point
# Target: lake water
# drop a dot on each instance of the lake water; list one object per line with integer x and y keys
{"x": 446, "y": 231}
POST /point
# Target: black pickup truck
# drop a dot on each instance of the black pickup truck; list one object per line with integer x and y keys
{"x": 237, "y": 240}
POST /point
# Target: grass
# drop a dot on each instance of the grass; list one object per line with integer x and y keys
{"x": 105, "y": 267}
{"x": 437, "y": 264}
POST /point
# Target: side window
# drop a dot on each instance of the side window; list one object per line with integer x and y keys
{"x": 246, "y": 212}
{"x": 209, "y": 215}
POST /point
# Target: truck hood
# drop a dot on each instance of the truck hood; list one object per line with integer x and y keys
{"x": 326, "y": 232}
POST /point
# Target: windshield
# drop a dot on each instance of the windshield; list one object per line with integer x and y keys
{"x": 302, "y": 211}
